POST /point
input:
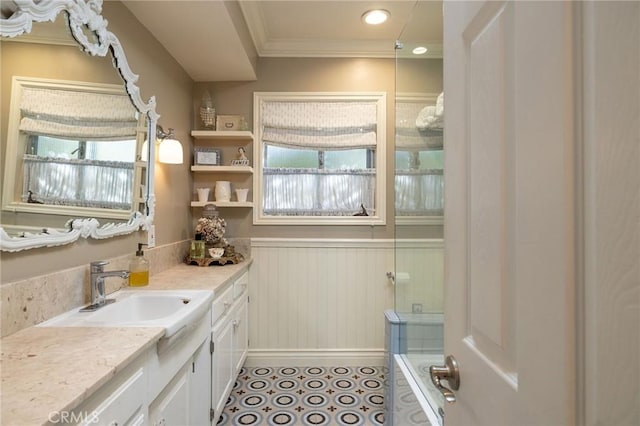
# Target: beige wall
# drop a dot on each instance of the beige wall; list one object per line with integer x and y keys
{"x": 177, "y": 98}
{"x": 160, "y": 76}
{"x": 326, "y": 74}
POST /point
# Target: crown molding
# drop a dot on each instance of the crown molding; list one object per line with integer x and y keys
{"x": 306, "y": 48}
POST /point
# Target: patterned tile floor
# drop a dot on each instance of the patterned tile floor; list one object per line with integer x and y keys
{"x": 306, "y": 396}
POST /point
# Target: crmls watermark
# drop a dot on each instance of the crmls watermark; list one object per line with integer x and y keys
{"x": 71, "y": 417}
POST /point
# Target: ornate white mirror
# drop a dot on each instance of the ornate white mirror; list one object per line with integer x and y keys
{"x": 73, "y": 144}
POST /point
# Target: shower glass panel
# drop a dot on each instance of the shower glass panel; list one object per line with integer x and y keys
{"x": 419, "y": 195}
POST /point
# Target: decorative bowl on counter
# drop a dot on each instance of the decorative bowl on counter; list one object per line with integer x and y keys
{"x": 216, "y": 252}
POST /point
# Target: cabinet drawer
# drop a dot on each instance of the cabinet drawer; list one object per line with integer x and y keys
{"x": 240, "y": 285}
{"x": 222, "y": 304}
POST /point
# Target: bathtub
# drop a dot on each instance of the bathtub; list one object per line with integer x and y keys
{"x": 415, "y": 402}
{"x": 424, "y": 332}
{"x": 413, "y": 343}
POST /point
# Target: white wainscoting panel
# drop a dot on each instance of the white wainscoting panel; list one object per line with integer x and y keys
{"x": 322, "y": 302}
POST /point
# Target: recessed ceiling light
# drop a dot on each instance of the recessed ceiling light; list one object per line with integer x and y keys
{"x": 375, "y": 17}
{"x": 420, "y": 50}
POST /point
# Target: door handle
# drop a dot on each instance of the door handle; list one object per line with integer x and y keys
{"x": 449, "y": 372}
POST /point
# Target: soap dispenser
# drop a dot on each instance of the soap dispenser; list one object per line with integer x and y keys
{"x": 139, "y": 269}
{"x": 197, "y": 250}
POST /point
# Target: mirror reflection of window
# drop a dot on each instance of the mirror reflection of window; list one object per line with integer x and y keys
{"x": 419, "y": 184}
{"x": 76, "y": 145}
{"x": 79, "y": 173}
{"x": 419, "y": 160}
{"x": 44, "y": 146}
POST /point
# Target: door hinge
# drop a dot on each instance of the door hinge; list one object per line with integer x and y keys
{"x": 212, "y": 414}
{"x": 212, "y": 346}
{"x": 193, "y": 367}
{"x": 248, "y": 299}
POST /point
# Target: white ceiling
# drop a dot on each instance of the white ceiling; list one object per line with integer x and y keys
{"x": 217, "y": 40}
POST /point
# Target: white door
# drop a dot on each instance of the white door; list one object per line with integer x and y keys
{"x": 510, "y": 209}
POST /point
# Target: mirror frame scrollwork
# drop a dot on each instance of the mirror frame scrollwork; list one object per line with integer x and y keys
{"x": 85, "y": 15}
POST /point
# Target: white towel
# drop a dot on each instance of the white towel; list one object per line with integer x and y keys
{"x": 440, "y": 105}
{"x": 432, "y": 117}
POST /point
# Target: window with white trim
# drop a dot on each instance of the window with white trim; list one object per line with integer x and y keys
{"x": 319, "y": 157}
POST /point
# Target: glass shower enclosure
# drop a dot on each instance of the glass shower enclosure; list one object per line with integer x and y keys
{"x": 415, "y": 327}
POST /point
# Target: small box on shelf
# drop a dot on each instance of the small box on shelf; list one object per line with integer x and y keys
{"x": 228, "y": 122}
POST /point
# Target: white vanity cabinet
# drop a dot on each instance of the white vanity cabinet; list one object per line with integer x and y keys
{"x": 221, "y": 366}
{"x": 185, "y": 400}
{"x": 171, "y": 407}
{"x": 168, "y": 384}
{"x": 240, "y": 334}
{"x": 181, "y": 378}
{"x": 200, "y": 386}
{"x": 229, "y": 341}
{"x": 184, "y": 379}
{"x": 121, "y": 402}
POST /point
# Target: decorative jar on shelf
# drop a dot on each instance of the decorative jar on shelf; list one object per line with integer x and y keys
{"x": 212, "y": 227}
{"x": 208, "y": 112}
{"x": 223, "y": 190}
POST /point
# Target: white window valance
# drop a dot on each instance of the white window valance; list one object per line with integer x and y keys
{"x": 320, "y": 139}
{"x": 74, "y": 114}
{"x": 320, "y": 125}
{"x": 318, "y": 115}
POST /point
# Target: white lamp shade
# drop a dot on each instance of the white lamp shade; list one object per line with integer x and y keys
{"x": 170, "y": 151}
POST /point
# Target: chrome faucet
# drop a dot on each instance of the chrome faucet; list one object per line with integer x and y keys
{"x": 98, "y": 274}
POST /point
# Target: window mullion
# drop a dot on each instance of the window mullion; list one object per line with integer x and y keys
{"x": 318, "y": 203}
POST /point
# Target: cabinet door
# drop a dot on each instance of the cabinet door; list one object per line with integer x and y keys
{"x": 200, "y": 386}
{"x": 124, "y": 405}
{"x": 221, "y": 366}
{"x": 171, "y": 407}
{"x": 240, "y": 335}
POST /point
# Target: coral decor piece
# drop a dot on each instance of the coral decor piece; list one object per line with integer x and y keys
{"x": 212, "y": 228}
{"x": 212, "y": 231}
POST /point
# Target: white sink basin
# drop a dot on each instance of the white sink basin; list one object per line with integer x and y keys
{"x": 172, "y": 310}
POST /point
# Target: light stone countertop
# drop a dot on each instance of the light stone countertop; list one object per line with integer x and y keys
{"x": 196, "y": 277}
{"x": 48, "y": 370}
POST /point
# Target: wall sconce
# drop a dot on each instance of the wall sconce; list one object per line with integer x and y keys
{"x": 169, "y": 148}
